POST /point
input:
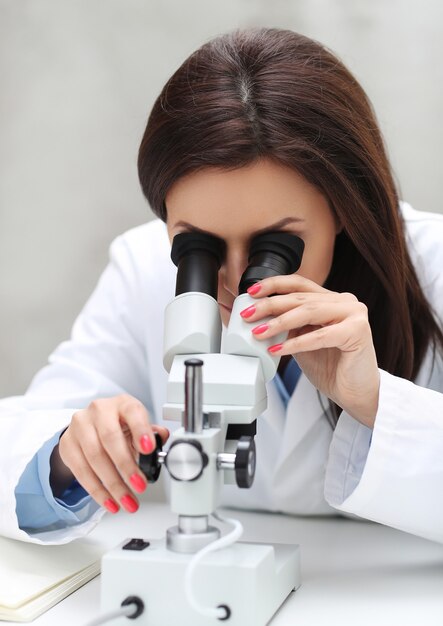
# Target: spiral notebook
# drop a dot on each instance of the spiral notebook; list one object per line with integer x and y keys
{"x": 34, "y": 577}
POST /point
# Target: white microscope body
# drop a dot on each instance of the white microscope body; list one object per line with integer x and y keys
{"x": 217, "y": 395}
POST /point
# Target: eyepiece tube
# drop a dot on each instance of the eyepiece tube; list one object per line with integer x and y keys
{"x": 192, "y": 318}
{"x": 193, "y": 414}
{"x": 198, "y": 258}
{"x": 271, "y": 254}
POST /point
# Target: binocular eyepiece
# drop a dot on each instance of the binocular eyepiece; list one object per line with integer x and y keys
{"x": 199, "y": 256}
{"x": 271, "y": 254}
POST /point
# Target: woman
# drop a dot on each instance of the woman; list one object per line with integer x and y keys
{"x": 258, "y": 130}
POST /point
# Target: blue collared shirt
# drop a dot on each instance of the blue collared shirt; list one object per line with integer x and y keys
{"x": 288, "y": 381}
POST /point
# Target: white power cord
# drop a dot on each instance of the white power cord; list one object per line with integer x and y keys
{"x": 223, "y": 542}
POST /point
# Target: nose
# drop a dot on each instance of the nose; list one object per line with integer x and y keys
{"x": 232, "y": 269}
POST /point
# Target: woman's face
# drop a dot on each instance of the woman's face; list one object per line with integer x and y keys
{"x": 235, "y": 205}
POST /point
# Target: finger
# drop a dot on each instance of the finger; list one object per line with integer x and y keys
{"x": 162, "y": 431}
{"x": 108, "y": 474}
{"x": 312, "y": 314}
{"x": 87, "y": 478}
{"x": 278, "y": 304}
{"x": 284, "y": 284}
{"x": 114, "y": 442}
{"x": 341, "y": 336}
{"x": 135, "y": 418}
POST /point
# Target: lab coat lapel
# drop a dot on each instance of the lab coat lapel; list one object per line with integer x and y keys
{"x": 303, "y": 411}
{"x": 298, "y": 478}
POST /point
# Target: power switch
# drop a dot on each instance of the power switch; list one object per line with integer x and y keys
{"x": 136, "y": 544}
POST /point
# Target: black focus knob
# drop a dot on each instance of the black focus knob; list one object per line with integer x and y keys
{"x": 149, "y": 463}
{"x": 245, "y": 462}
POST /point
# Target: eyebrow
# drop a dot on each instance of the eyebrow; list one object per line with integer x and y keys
{"x": 280, "y": 224}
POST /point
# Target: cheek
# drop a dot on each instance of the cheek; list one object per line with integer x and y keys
{"x": 317, "y": 260}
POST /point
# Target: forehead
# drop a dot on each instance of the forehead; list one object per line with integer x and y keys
{"x": 254, "y": 195}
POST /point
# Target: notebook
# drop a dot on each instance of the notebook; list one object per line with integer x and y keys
{"x": 35, "y": 577}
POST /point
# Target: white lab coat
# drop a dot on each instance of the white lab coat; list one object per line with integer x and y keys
{"x": 303, "y": 467}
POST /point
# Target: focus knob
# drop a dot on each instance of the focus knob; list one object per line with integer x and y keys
{"x": 150, "y": 464}
{"x": 245, "y": 462}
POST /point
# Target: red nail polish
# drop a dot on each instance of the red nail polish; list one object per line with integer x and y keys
{"x": 146, "y": 444}
{"x": 276, "y": 348}
{"x": 258, "y": 330}
{"x": 111, "y": 505}
{"x": 248, "y": 312}
{"x": 129, "y": 504}
{"x": 254, "y": 289}
{"x": 138, "y": 483}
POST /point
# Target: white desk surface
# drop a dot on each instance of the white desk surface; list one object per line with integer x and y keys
{"x": 353, "y": 572}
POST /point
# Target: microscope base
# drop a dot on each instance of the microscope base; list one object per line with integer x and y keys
{"x": 252, "y": 579}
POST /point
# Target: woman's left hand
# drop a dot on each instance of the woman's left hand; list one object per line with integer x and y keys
{"x": 329, "y": 335}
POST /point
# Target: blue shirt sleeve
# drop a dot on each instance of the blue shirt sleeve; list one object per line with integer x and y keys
{"x": 36, "y": 506}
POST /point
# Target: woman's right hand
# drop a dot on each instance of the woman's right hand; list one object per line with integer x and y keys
{"x": 100, "y": 449}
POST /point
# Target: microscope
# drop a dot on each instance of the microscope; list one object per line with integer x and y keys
{"x": 216, "y": 388}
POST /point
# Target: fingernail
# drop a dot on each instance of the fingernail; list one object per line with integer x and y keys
{"x": 111, "y": 505}
{"x": 146, "y": 444}
{"x": 254, "y": 289}
{"x": 276, "y": 348}
{"x": 248, "y": 312}
{"x": 258, "y": 330}
{"x": 138, "y": 483}
{"x": 129, "y": 504}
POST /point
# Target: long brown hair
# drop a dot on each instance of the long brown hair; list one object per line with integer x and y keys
{"x": 277, "y": 94}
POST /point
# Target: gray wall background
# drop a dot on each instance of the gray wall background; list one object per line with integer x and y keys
{"x": 77, "y": 80}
